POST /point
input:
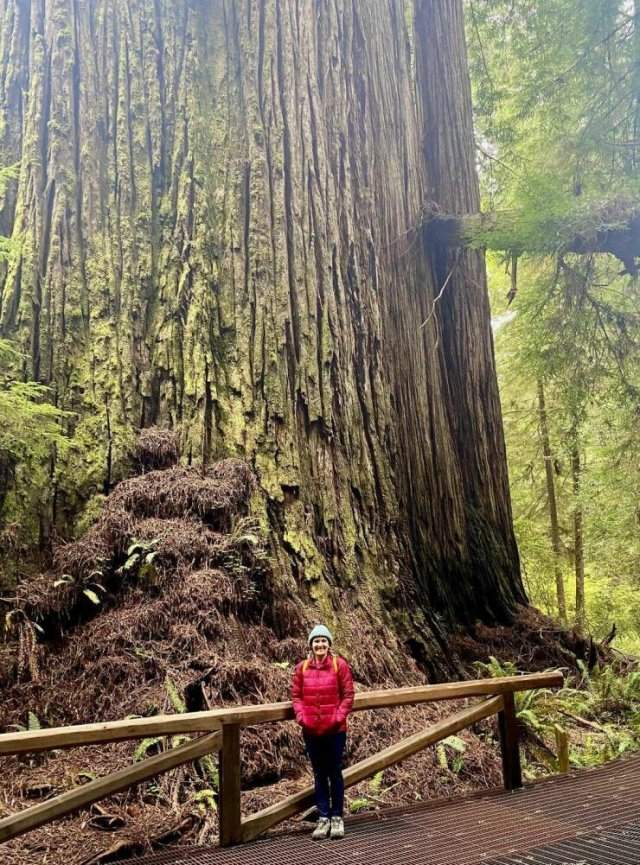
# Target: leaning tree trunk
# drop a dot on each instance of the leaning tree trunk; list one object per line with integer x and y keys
{"x": 210, "y": 213}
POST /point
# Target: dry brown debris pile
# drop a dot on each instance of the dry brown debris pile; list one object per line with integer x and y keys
{"x": 194, "y": 520}
{"x": 534, "y": 642}
{"x": 156, "y": 448}
{"x": 182, "y": 491}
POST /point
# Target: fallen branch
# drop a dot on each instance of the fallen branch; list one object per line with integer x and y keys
{"x": 129, "y": 847}
{"x": 583, "y": 722}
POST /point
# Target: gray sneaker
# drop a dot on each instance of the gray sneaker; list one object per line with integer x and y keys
{"x": 322, "y": 830}
{"x": 337, "y": 827}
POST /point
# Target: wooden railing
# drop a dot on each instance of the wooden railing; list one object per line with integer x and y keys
{"x": 222, "y": 729}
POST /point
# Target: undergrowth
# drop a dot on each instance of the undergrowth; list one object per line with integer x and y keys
{"x": 594, "y": 718}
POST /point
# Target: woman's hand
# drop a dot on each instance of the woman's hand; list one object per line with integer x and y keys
{"x": 331, "y": 726}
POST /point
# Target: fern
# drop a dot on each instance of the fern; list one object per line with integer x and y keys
{"x": 93, "y": 597}
{"x": 206, "y": 800}
{"x": 375, "y": 785}
{"x": 494, "y": 669}
{"x": 456, "y": 743}
{"x": 210, "y": 769}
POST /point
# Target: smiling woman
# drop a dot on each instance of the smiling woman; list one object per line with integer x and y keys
{"x": 322, "y": 696}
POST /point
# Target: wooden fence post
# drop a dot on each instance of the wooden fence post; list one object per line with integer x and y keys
{"x": 562, "y": 742}
{"x": 508, "y": 726}
{"x": 229, "y": 802}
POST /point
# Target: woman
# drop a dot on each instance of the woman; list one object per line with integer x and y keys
{"x": 322, "y": 695}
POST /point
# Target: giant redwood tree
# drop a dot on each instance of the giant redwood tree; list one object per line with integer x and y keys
{"x": 212, "y": 223}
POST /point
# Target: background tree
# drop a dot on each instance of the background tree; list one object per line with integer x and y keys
{"x": 557, "y": 131}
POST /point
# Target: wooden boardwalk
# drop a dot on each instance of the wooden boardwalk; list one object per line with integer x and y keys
{"x": 589, "y": 817}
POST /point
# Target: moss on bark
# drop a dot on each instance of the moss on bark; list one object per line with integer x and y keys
{"x": 212, "y": 200}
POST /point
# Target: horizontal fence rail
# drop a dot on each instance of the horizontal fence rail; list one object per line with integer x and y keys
{"x": 222, "y": 729}
{"x": 33, "y": 741}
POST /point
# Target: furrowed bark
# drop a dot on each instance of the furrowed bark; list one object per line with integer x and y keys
{"x": 211, "y": 207}
{"x": 479, "y": 514}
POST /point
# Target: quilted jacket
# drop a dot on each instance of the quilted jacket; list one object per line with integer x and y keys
{"x": 322, "y": 695}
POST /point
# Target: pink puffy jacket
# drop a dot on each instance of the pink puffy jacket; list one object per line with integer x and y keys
{"x": 322, "y": 695}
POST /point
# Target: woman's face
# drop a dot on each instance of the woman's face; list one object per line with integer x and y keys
{"x": 319, "y": 647}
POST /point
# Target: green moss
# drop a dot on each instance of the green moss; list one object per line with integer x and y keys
{"x": 89, "y": 514}
{"x": 298, "y": 537}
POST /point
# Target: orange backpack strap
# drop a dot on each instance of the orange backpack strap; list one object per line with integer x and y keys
{"x": 305, "y": 664}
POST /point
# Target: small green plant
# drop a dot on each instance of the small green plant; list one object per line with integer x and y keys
{"x": 495, "y": 669}
{"x": 209, "y": 768}
{"x": 33, "y": 723}
{"x": 375, "y": 785}
{"x": 360, "y": 804}
{"x": 175, "y": 699}
{"x": 450, "y": 753}
{"x": 534, "y": 708}
{"x": 140, "y": 558}
{"x": 14, "y": 618}
{"x": 205, "y": 801}
{"x": 91, "y": 588}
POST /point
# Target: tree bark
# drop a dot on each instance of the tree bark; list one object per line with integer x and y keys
{"x": 459, "y": 335}
{"x": 209, "y": 209}
{"x": 552, "y": 503}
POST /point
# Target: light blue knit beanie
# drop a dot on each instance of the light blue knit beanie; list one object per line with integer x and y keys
{"x": 320, "y": 631}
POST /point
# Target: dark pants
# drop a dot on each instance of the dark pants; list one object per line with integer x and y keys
{"x": 325, "y": 753}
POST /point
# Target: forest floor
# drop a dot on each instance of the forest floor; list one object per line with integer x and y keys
{"x": 168, "y": 604}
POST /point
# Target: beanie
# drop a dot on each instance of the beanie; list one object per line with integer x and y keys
{"x": 320, "y": 631}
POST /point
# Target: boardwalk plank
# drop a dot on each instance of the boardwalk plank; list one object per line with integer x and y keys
{"x": 591, "y": 817}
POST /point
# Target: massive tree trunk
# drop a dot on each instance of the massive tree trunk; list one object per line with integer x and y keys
{"x": 210, "y": 213}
